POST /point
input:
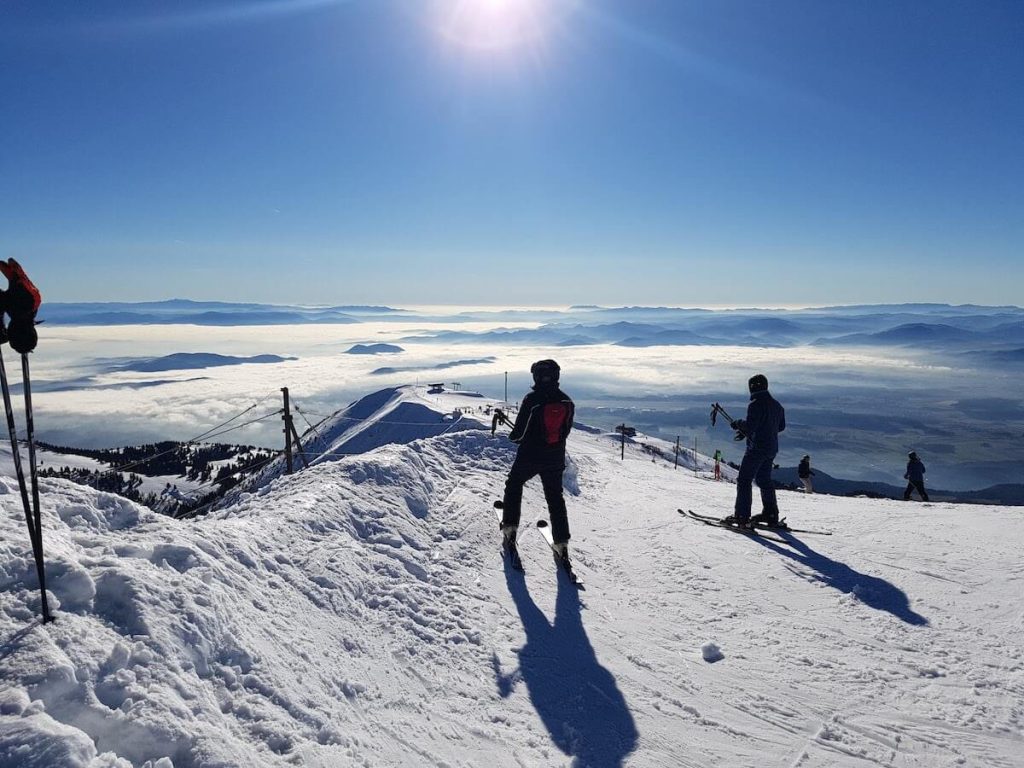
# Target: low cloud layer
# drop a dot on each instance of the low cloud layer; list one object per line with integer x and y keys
{"x": 856, "y": 409}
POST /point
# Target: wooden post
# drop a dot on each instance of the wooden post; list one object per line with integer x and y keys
{"x": 677, "y": 453}
{"x": 623, "y": 441}
{"x": 288, "y": 429}
{"x": 694, "y": 455}
{"x": 506, "y": 388}
{"x": 298, "y": 445}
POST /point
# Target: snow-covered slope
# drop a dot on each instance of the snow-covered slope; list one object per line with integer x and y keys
{"x": 389, "y": 416}
{"x": 394, "y": 415}
{"x": 359, "y": 613}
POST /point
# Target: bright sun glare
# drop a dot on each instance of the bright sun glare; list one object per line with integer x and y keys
{"x": 497, "y": 24}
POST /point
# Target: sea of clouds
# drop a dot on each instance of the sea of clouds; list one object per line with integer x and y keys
{"x": 857, "y": 409}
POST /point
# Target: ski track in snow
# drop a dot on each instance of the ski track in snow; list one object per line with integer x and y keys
{"x": 360, "y": 613}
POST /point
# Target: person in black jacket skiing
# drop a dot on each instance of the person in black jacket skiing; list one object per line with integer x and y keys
{"x": 805, "y": 473}
{"x": 541, "y": 429}
{"x": 765, "y": 419}
{"x": 914, "y": 477}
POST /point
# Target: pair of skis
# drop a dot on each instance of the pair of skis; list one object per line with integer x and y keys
{"x": 511, "y": 549}
{"x": 755, "y": 530}
{"x": 32, "y": 514}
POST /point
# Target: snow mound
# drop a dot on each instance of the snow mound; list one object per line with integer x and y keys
{"x": 396, "y": 415}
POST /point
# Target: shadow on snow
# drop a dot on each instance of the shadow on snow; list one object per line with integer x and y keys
{"x": 872, "y": 591}
{"x": 577, "y": 699}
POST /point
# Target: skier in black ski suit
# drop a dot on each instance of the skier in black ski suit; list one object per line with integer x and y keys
{"x": 914, "y": 477}
{"x": 541, "y": 428}
{"x": 765, "y": 419}
{"x": 805, "y": 473}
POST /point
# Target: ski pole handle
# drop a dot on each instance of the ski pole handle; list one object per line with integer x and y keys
{"x": 499, "y": 418}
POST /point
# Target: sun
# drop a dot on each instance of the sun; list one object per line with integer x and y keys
{"x": 497, "y": 24}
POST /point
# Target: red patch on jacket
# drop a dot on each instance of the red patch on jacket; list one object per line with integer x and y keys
{"x": 555, "y": 416}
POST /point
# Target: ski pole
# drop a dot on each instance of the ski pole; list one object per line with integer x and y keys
{"x": 30, "y": 438}
{"x": 33, "y": 534}
{"x": 718, "y": 409}
{"x": 15, "y": 453}
{"x": 500, "y": 418}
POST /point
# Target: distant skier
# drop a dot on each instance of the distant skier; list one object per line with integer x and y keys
{"x": 718, "y": 464}
{"x": 765, "y": 419}
{"x": 541, "y": 428}
{"x": 805, "y": 473}
{"x": 914, "y": 477}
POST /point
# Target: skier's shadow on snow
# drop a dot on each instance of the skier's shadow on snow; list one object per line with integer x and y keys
{"x": 16, "y": 642}
{"x": 873, "y": 591}
{"x": 577, "y": 699}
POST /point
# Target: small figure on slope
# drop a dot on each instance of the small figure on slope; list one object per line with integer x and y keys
{"x": 718, "y": 464}
{"x": 765, "y": 419}
{"x": 805, "y": 474}
{"x": 541, "y": 428}
{"x": 914, "y": 477}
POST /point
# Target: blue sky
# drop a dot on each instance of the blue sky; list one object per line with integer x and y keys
{"x": 649, "y": 151}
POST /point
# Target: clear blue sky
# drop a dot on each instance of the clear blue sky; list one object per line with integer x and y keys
{"x": 515, "y": 151}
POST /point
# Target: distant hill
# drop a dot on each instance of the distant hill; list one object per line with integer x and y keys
{"x": 185, "y": 361}
{"x": 920, "y": 334}
{"x": 374, "y": 349}
{"x": 436, "y": 367}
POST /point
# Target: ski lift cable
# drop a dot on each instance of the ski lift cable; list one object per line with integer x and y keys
{"x": 312, "y": 428}
{"x": 271, "y": 415}
{"x": 207, "y": 435}
{"x": 196, "y": 439}
{"x": 233, "y": 418}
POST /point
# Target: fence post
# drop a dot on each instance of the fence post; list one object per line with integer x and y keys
{"x": 288, "y": 429}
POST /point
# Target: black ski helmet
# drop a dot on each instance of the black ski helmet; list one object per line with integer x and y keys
{"x": 912, "y": 455}
{"x": 758, "y": 383}
{"x": 545, "y": 372}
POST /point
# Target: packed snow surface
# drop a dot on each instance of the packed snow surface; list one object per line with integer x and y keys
{"x": 359, "y": 613}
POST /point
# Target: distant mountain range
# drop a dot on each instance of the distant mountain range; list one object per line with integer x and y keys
{"x": 215, "y": 313}
{"x": 996, "y": 334}
{"x": 993, "y": 334}
{"x": 972, "y": 334}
